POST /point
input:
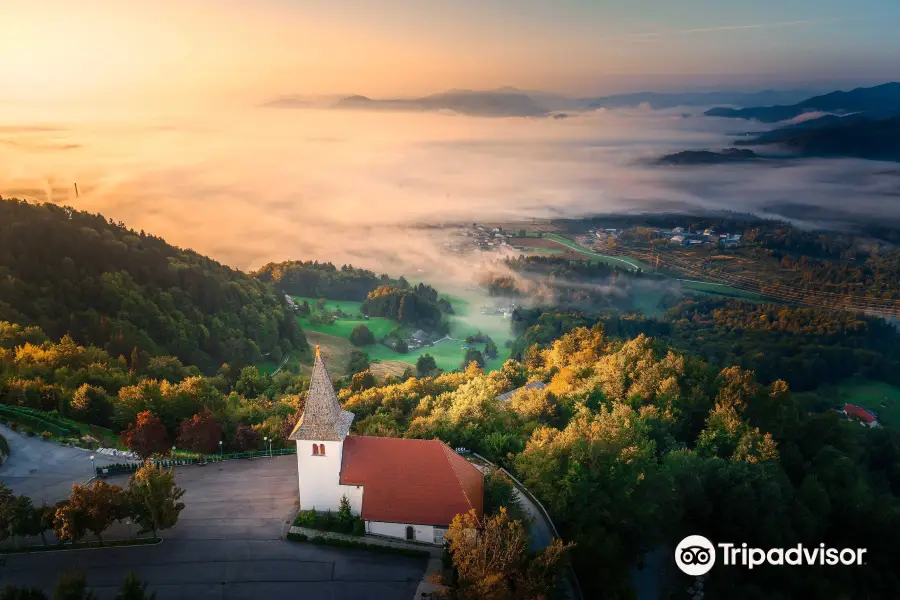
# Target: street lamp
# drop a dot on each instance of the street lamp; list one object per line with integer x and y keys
{"x": 265, "y": 445}
{"x": 220, "y": 449}
{"x": 93, "y": 468}
{"x": 173, "y": 457}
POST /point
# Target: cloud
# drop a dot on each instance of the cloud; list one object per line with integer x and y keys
{"x": 368, "y": 188}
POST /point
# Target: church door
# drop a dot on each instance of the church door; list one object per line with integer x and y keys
{"x": 410, "y": 533}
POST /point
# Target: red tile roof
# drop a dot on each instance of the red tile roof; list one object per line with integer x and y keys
{"x": 858, "y": 411}
{"x": 421, "y": 482}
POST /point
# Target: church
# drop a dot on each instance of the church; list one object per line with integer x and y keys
{"x": 402, "y": 488}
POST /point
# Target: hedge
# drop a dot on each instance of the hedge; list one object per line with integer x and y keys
{"x": 27, "y": 416}
{"x": 50, "y": 417}
{"x": 339, "y": 543}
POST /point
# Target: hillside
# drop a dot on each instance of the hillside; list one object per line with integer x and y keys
{"x": 875, "y": 139}
{"x": 659, "y": 101}
{"x": 707, "y": 157}
{"x": 71, "y": 272}
{"x": 494, "y": 103}
{"x": 882, "y": 99}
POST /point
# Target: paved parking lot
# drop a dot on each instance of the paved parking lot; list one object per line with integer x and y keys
{"x": 45, "y": 471}
{"x": 226, "y": 546}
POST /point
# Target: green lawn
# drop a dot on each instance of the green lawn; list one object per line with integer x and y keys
{"x": 878, "y": 396}
{"x": 379, "y": 326}
{"x": 448, "y": 354}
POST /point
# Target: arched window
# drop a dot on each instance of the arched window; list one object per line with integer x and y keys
{"x": 315, "y": 449}
{"x": 322, "y": 449}
{"x": 410, "y": 533}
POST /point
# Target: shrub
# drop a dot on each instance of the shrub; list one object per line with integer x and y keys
{"x": 306, "y": 518}
{"x": 46, "y": 435}
{"x": 28, "y": 431}
{"x": 359, "y": 527}
{"x": 14, "y": 426}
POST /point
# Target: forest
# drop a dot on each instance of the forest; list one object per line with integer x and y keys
{"x": 73, "y": 273}
{"x": 313, "y": 279}
{"x": 632, "y": 446}
{"x": 416, "y": 306}
{"x": 806, "y": 347}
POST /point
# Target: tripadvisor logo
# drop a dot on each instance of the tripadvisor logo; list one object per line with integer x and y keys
{"x": 695, "y": 555}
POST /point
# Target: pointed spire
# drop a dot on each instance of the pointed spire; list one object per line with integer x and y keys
{"x": 322, "y": 417}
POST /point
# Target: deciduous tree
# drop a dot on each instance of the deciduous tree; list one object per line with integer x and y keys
{"x": 361, "y": 336}
{"x": 89, "y": 508}
{"x": 493, "y": 562}
{"x": 426, "y": 366}
{"x": 246, "y": 438}
{"x": 201, "y": 433}
{"x": 153, "y": 498}
{"x": 91, "y": 405}
{"x": 146, "y": 436}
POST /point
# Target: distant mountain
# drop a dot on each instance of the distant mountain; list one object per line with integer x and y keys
{"x": 708, "y": 157}
{"x": 302, "y": 101}
{"x": 881, "y": 100}
{"x": 513, "y": 102}
{"x": 854, "y": 137}
{"x": 495, "y": 103}
{"x": 659, "y": 101}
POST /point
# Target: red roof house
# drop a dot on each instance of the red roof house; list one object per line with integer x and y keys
{"x": 411, "y": 481}
{"x": 859, "y": 412}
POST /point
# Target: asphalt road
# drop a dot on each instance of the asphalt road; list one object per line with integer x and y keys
{"x": 45, "y": 471}
{"x": 226, "y": 546}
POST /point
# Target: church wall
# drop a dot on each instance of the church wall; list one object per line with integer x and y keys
{"x": 423, "y": 533}
{"x": 319, "y": 475}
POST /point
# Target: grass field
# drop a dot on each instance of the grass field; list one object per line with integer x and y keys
{"x": 342, "y": 327}
{"x": 632, "y": 264}
{"x": 448, "y": 354}
{"x": 719, "y": 290}
{"x": 878, "y": 396}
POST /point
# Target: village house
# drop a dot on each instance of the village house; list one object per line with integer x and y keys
{"x": 865, "y": 416}
{"x": 401, "y": 488}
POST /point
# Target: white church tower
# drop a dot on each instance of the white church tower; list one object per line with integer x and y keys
{"x": 320, "y": 435}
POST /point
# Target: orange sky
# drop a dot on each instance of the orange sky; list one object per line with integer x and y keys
{"x": 163, "y": 53}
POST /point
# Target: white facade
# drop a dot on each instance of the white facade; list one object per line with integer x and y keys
{"x": 424, "y": 534}
{"x": 319, "y": 473}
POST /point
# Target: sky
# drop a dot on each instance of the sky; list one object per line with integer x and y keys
{"x": 173, "y": 53}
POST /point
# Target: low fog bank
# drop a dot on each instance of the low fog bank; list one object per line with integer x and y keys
{"x": 260, "y": 185}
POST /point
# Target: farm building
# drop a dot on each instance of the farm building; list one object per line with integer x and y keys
{"x": 863, "y": 414}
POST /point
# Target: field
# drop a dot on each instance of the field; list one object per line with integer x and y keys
{"x": 718, "y": 289}
{"x": 878, "y": 396}
{"x": 542, "y": 246}
{"x": 448, "y": 354}
{"x": 625, "y": 262}
{"x": 342, "y": 327}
